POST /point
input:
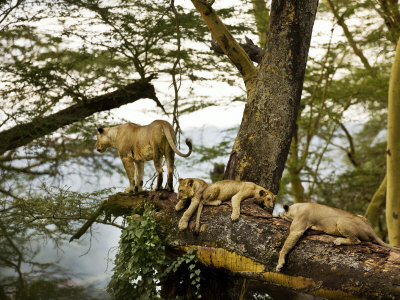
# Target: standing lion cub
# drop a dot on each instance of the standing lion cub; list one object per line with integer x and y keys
{"x": 350, "y": 228}
{"x": 137, "y": 144}
{"x": 202, "y": 193}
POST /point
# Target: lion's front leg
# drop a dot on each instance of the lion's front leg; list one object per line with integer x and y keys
{"x": 184, "y": 221}
{"x": 297, "y": 229}
{"x": 236, "y": 205}
{"x": 129, "y": 167}
{"x": 180, "y": 205}
{"x": 139, "y": 176}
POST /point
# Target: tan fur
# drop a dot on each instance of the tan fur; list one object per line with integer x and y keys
{"x": 350, "y": 228}
{"x": 189, "y": 189}
{"x": 137, "y": 144}
{"x": 202, "y": 193}
{"x": 237, "y": 191}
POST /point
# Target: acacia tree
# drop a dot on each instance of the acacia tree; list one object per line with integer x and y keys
{"x": 53, "y": 94}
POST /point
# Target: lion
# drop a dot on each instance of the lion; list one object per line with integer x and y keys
{"x": 137, "y": 144}
{"x": 225, "y": 190}
{"x": 349, "y": 228}
{"x": 202, "y": 193}
{"x": 190, "y": 189}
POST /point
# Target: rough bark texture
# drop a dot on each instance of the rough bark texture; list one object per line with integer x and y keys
{"x": 393, "y": 154}
{"x": 250, "y": 247}
{"x": 23, "y": 134}
{"x": 254, "y": 52}
{"x": 264, "y": 137}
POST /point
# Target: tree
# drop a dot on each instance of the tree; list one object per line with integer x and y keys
{"x": 248, "y": 160}
{"x": 393, "y": 154}
{"x": 53, "y": 95}
{"x": 240, "y": 258}
{"x": 134, "y": 47}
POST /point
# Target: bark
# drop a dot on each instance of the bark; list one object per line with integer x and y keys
{"x": 264, "y": 137}
{"x": 393, "y": 154}
{"x": 23, "y": 134}
{"x": 294, "y": 167}
{"x": 250, "y": 247}
{"x": 254, "y": 52}
{"x": 377, "y": 204}
{"x": 228, "y": 44}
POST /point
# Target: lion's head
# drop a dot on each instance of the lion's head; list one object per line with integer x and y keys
{"x": 186, "y": 188}
{"x": 268, "y": 199}
{"x": 103, "y": 140}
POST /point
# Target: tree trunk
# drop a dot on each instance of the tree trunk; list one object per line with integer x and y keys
{"x": 376, "y": 206}
{"x": 23, "y": 134}
{"x": 264, "y": 137}
{"x": 294, "y": 167}
{"x": 261, "y": 16}
{"x": 393, "y": 154}
{"x": 250, "y": 247}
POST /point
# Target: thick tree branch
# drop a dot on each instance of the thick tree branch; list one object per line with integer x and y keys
{"x": 254, "y": 52}
{"x": 23, "y": 134}
{"x": 228, "y": 44}
{"x": 249, "y": 249}
{"x": 262, "y": 144}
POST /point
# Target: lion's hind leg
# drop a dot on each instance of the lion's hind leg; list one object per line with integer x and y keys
{"x": 212, "y": 202}
{"x": 158, "y": 160}
{"x": 345, "y": 226}
{"x": 170, "y": 158}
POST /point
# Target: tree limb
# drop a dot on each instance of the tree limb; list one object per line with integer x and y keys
{"x": 228, "y": 44}
{"x": 250, "y": 247}
{"x": 254, "y": 52}
{"x": 23, "y": 134}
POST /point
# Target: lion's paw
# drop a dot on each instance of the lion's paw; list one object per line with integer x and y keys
{"x": 179, "y": 206}
{"x": 182, "y": 225}
{"x": 234, "y": 218}
{"x": 278, "y": 268}
{"x": 337, "y": 242}
{"x": 129, "y": 190}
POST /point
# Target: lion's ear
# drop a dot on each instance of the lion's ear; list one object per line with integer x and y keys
{"x": 100, "y": 130}
{"x": 262, "y": 193}
{"x": 190, "y": 182}
{"x": 286, "y": 207}
{"x": 179, "y": 179}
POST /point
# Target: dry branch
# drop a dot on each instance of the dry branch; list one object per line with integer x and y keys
{"x": 254, "y": 52}
{"x": 250, "y": 247}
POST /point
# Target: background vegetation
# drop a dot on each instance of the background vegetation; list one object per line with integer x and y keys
{"x": 57, "y": 54}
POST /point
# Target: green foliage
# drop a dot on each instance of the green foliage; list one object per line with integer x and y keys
{"x": 141, "y": 262}
{"x": 189, "y": 261}
{"x": 137, "y": 264}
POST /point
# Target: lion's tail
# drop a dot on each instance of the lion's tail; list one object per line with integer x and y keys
{"x": 199, "y": 209}
{"x": 377, "y": 239}
{"x": 171, "y": 142}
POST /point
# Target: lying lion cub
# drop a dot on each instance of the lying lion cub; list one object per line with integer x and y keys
{"x": 190, "y": 189}
{"x": 352, "y": 229}
{"x": 137, "y": 144}
{"x": 202, "y": 193}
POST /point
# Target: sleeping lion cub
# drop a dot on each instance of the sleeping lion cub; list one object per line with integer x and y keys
{"x": 350, "y": 228}
{"x": 137, "y": 144}
{"x": 202, "y": 193}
